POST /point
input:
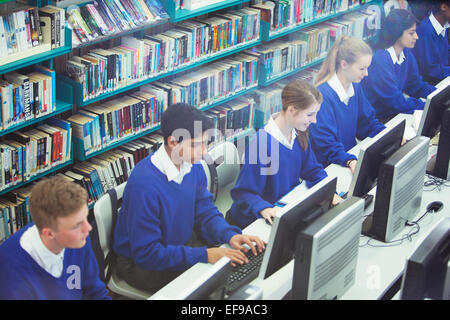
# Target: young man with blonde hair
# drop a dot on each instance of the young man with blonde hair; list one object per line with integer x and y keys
{"x": 52, "y": 258}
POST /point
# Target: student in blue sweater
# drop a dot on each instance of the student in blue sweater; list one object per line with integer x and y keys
{"x": 52, "y": 257}
{"x": 278, "y": 157}
{"x": 431, "y": 50}
{"x": 346, "y": 114}
{"x": 394, "y": 70}
{"x": 168, "y": 221}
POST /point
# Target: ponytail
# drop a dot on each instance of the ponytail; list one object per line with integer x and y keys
{"x": 345, "y": 48}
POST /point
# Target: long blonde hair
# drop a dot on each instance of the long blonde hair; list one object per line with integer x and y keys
{"x": 300, "y": 95}
{"x": 345, "y": 48}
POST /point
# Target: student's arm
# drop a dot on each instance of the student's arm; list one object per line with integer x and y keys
{"x": 213, "y": 227}
{"x": 92, "y": 287}
{"x": 415, "y": 85}
{"x": 429, "y": 58}
{"x": 368, "y": 124}
{"x": 312, "y": 171}
{"x": 324, "y": 138}
{"x": 383, "y": 83}
{"x": 144, "y": 230}
{"x": 14, "y": 286}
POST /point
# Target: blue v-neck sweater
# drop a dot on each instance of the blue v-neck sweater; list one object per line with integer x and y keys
{"x": 22, "y": 278}
{"x": 431, "y": 52}
{"x": 338, "y": 125}
{"x": 157, "y": 219}
{"x": 270, "y": 171}
{"x": 386, "y": 83}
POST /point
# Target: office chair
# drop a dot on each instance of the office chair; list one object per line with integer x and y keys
{"x": 103, "y": 212}
{"x": 222, "y": 166}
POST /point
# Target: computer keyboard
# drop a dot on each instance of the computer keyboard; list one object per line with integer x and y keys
{"x": 243, "y": 274}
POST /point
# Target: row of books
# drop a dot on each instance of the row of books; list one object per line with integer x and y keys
{"x": 231, "y": 118}
{"x": 19, "y": 30}
{"x": 14, "y": 211}
{"x": 214, "y": 81}
{"x": 99, "y": 125}
{"x": 29, "y": 153}
{"x": 268, "y": 99}
{"x": 104, "y": 70}
{"x": 280, "y": 14}
{"x": 106, "y": 17}
{"x": 307, "y": 45}
{"x": 26, "y": 96}
{"x": 28, "y": 27}
{"x": 112, "y": 168}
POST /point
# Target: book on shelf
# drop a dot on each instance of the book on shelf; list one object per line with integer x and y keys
{"x": 26, "y": 96}
{"x": 52, "y": 20}
{"x": 29, "y": 153}
{"x": 107, "y": 17}
{"x": 104, "y": 70}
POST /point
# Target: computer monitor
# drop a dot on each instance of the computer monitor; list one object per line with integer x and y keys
{"x": 326, "y": 253}
{"x": 373, "y": 154}
{"x": 435, "y": 118}
{"x": 196, "y": 284}
{"x": 426, "y": 272}
{"x": 399, "y": 190}
{"x": 291, "y": 220}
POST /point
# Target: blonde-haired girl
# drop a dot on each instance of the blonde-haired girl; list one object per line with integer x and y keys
{"x": 345, "y": 114}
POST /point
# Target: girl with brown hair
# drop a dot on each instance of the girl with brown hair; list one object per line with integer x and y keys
{"x": 278, "y": 157}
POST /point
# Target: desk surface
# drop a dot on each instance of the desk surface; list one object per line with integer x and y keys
{"x": 378, "y": 265}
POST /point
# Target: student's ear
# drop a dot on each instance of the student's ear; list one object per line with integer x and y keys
{"x": 171, "y": 142}
{"x": 47, "y": 233}
{"x": 343, "y": 64}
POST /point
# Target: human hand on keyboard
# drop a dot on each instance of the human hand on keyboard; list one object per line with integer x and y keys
{"x": 239, "y": 240}
{"x": 236, "y": 256}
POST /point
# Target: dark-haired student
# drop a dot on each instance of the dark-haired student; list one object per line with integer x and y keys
{"x": 51, "y": 258}
{"x": 346, "y": 114}
{"x": 165, "y": 200}
{"x": 431, "y": 50}
{"x": 278, "y": 157}
{"x": 394, "y": 70}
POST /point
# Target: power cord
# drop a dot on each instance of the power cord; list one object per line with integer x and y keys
{"x": 433, "y": 207}
{"x": 434, "y": 183}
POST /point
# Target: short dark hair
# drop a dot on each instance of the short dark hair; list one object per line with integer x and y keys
{"x": 436, "y": 5}
{"x": 183, "y": 116}
{"x": 397, "y": 21}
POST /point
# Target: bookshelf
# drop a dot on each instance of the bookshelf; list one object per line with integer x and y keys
{"x": 268, "y": 35}
{"x": 177, "y": 15}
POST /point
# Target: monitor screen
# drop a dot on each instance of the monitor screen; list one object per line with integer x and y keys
{"x": 326, "y": 253}
{"x": 291, "y": 220}
{"x": 426, "y": 271}
{"x": 373, "y": 154}
{"x": 437, "y": 102}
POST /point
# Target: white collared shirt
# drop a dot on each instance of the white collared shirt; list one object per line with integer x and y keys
{"x": 336, "y": 85}
{"x": 32, "y": 243}
{"x": 440, "y": 30}
{"x": 395, "y": 59}
{"x": 272, "y": 128}
{"x": 162, "y": 161}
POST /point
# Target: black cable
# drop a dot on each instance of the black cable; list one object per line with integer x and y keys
{"x": 435, "y": 183}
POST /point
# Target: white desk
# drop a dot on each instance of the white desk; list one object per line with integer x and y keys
{"x": 378, "y": 267}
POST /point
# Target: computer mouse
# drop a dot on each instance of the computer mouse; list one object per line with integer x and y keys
{"x": 435, "y": 206}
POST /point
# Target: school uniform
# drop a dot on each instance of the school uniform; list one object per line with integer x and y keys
{"x": 273, "y": 166}
{"x": 391, "y": 76}
{"x": 161, "y": 206}
{"x": 431, "y": 50}
{"x": 30, "y": 271}
{"x": 344, "y": 116}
